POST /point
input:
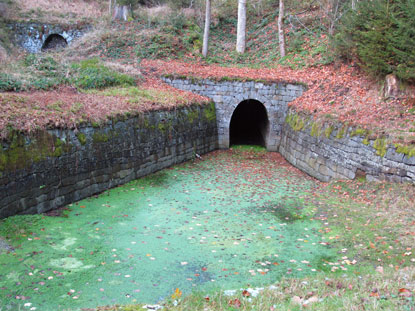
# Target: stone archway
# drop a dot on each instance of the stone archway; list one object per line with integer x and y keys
{"x": 249, "y": 124}
{"x": 54, "y": 42}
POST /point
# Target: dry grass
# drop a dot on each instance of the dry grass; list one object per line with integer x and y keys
{"x": 61, "y": 10}
{"x": 155, "y": 14}
{"x": 397, "y": 209}
{"x": 131, "y": 70}
{"x": 3, "y": 55}
{"x": 87, "y": 45}
{"x": 391, "y": 290}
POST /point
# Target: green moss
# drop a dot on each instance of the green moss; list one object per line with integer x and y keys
{"x": 210, "y": 112}
{"x": 407, "y": 150}
{"x": 99, "y": 137}
{"x": 58, "y": 152}
{"x": 315, "y": 129}
{"x": 164, "y": 126}
{"x": 145, "y": 123}
{"x": 288, "y": 119}
{"x": 366, "y": 141}
{"x": 82, "y": 138}
{"x": 17, "y": 140}
{"x": 341, "y": 133}
{"x": 381, "y": 146}
{"x": 300, "y": 124}
{"x": 329, "y": 129}
{"x": 359, "y": 132}
{"x": 193, "y": 115}
{"x": 95, "y": 124}
{"x": 58, "y": 148}
{"x": 58, "y": 142}
{"x": 295, "y": 121}
{"x": 3, "y": 160}
{"x": 21, "y": 154}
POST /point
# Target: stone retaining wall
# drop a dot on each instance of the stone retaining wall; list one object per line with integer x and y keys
{"x": 53, "y": 168}
{"x": 338, "y": 152}
{"x": 31, "y": 36}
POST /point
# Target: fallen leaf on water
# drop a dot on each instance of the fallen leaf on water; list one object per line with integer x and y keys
{"x": 311, "y": 300}
{"x": 177, "y": 294}
{"x": 245, "y": 293}
{"x": 379, "y": 269}
{"x": 405, "y": 292}
{"x": 235, "y": 303}
{"x": 297, "y": 300}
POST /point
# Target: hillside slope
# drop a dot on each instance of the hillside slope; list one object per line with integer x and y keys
{"x": 162, "y": 40}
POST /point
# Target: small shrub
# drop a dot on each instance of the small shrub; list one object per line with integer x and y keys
{"x": 381, "y": 146}
{"x": 9, "y": 83}
{"x": 47, "y": 65}
{"x": 43, "y": 83}
{"x": 380, "y": 34}
{"x": 159, "y": 46}
{"x": 90, "y": 74}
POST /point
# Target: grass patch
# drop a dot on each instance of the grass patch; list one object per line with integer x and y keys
{"x": 91, "y": 74}
{"x": 287, "y": 210}
{"x": 9, "y": 83}
{"x": 251, "y": 150}
{"x": 137, "y": 95}
{"x": 45, "y": 72}
{"x": 18, "y": 227}
{"x": 367, "y": 292}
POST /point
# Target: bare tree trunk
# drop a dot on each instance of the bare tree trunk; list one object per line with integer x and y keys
{"x": 241, "y": 31}
{"x": 281, "y": 36}
{"x": 121, "y": 12}
{"x": 110, "y": 8}
{"x": 354, "y": 2}
{"x": 207, "y": 28}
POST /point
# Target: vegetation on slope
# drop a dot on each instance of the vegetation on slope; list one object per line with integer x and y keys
{"x": 336, "y": 90}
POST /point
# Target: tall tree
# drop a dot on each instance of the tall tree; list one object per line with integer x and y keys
{"x": 354, "y": 3}
{"x": 281, "y": 36}
{"x": 241, "y": 31}
{"x": 121, "y": 9}
{"x": 207, "y": 28}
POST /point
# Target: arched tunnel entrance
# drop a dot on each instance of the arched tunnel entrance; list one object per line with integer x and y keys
{"x": 54, "y": 42}
{"x": 249, "y": 124}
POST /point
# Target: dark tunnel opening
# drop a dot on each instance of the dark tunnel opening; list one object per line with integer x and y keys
{"x": 249, "y": 124}
{"x": 54, "y": 42}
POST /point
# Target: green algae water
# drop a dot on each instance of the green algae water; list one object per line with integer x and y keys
{"x": 236, "y": 219}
